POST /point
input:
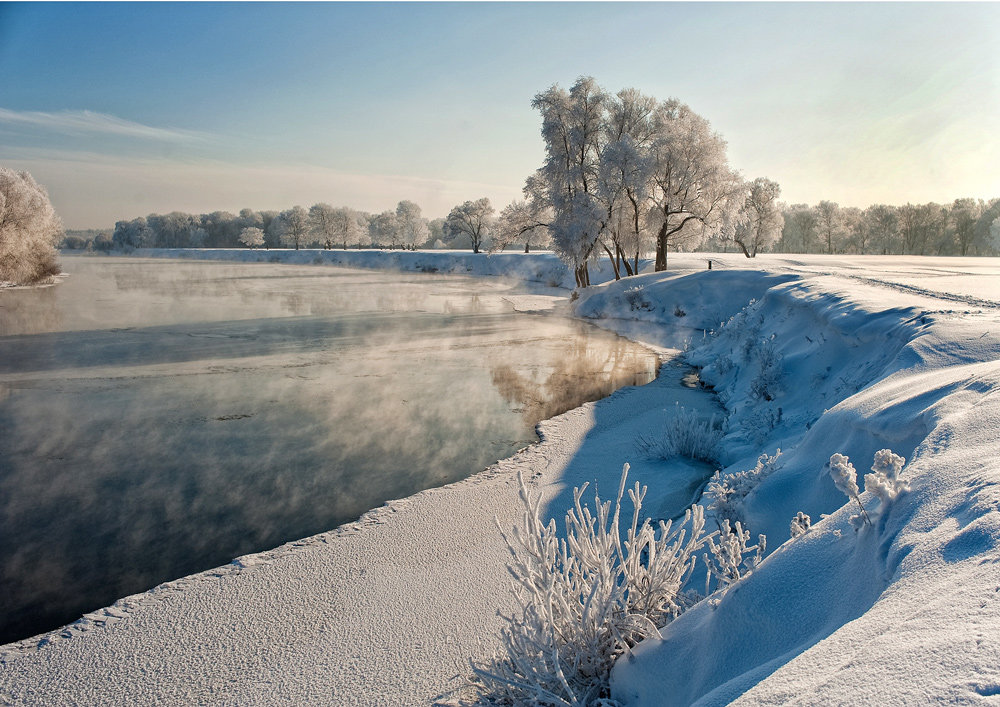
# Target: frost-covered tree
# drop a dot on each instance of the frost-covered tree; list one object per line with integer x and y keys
{"x": 252, "y": 237}
{"x": 473, "y": 219}
{"x": 411, "y": 227}
{"x": 917, "y": 226}
{"x": 521, "y": 221}
{"x": 693, "y": 189}
{"x": 349, "y": 227}
{"x": 322, "y": 229}
{"x": 965, "y": 213}
{"x": 382, "y": 229}
{"x": 572, "y": 123}
{"x": 250, "y": 219}
{"x": 172, "y": 230}
{"x": 625, "y": 177}
{"x": 29, "y": 229}
{"x": 760, "y": 221}
{"x": 222, "y": 228}
{"x": 876, "y": 231}
{"x": 435, "y": 232}
{"x": 293, "y": 227}
{"x": 132, "y": 234}
{"x": 830, "y": 225}
{"x": 800, "y": 233}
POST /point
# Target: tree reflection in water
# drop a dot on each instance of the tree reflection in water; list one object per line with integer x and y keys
{"x": 586, "y": 373}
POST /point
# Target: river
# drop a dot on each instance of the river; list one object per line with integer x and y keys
{"x": 158, "y": 418}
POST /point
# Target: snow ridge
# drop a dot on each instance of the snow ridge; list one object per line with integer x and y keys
{"x": 904, "y": 610}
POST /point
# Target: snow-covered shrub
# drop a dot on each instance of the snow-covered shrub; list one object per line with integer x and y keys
{"x": 684, "y": 435}
{"x": 725, "y": 494}
{"x": 845, "y": 478}
{"x": 727, "y": 561}
{"x": 758, "y": 421}
{"x": 768, "y": 371}
{"x": 586, "y": 599}
{"x": 884, "y": 480}
{"x": 636, "y": 299}
{"x": 800, "y": 524}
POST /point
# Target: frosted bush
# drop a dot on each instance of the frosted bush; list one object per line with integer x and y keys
{"x": 684, "y": 435}
{"x": 586, "y": 599}
{"x": 845, "y": 478}
{"x": 800, "y": 524}
{"x": 725, "y": 495}
{"x": 768, "y": 374}
{"x": 727, "y": 560}
{"x": 884, "y": 480}
{"x": 636, "y": 299}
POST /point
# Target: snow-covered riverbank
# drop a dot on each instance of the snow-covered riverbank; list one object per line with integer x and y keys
{"x": 846, "y": 355}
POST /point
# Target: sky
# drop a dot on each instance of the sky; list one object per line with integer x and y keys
{"x": 127, "y": 109}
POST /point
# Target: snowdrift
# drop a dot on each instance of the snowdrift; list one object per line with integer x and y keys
{"x": 904, "y": 611}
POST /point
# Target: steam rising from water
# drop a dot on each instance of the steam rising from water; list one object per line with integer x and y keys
{"x": 158, "y": 419}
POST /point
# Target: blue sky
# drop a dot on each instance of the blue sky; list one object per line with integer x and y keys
{"x": 126, "y": 109}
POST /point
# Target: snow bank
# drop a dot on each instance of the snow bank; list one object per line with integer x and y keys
{"x": 907, "y": 610}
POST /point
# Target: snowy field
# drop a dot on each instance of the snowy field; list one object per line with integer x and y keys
{"x": 813, "y": 355}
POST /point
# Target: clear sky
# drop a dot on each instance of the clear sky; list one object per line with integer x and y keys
{"x": 125, "y": 109}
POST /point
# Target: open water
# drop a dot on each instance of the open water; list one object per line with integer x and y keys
{"x": 159, "y": 418}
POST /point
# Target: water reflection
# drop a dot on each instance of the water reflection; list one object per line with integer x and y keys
{"x": 583, "y": 373}
{"x": 148, "y": 432}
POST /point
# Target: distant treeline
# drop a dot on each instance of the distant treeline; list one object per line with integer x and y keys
{"x": 964, "y": 227}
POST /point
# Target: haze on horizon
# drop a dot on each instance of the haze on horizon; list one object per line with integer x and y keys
{"x": 121, "y": 110}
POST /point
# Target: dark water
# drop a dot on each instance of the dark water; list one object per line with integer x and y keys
{"x": 159, "y": 418}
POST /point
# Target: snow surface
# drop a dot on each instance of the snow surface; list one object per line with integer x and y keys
{"x": 856, "y": 354}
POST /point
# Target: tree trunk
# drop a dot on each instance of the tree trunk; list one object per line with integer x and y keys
{"x": 661, "y": 255}
{"x": 613, "y": 263}
{"x": 526, "y": 246}
{"x": 743, "y": 248}
{"x": 661, "y": 248}
{"x": 624, "y": 259}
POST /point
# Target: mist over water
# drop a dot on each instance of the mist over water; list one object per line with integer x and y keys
{"x": 161, "y": 418}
